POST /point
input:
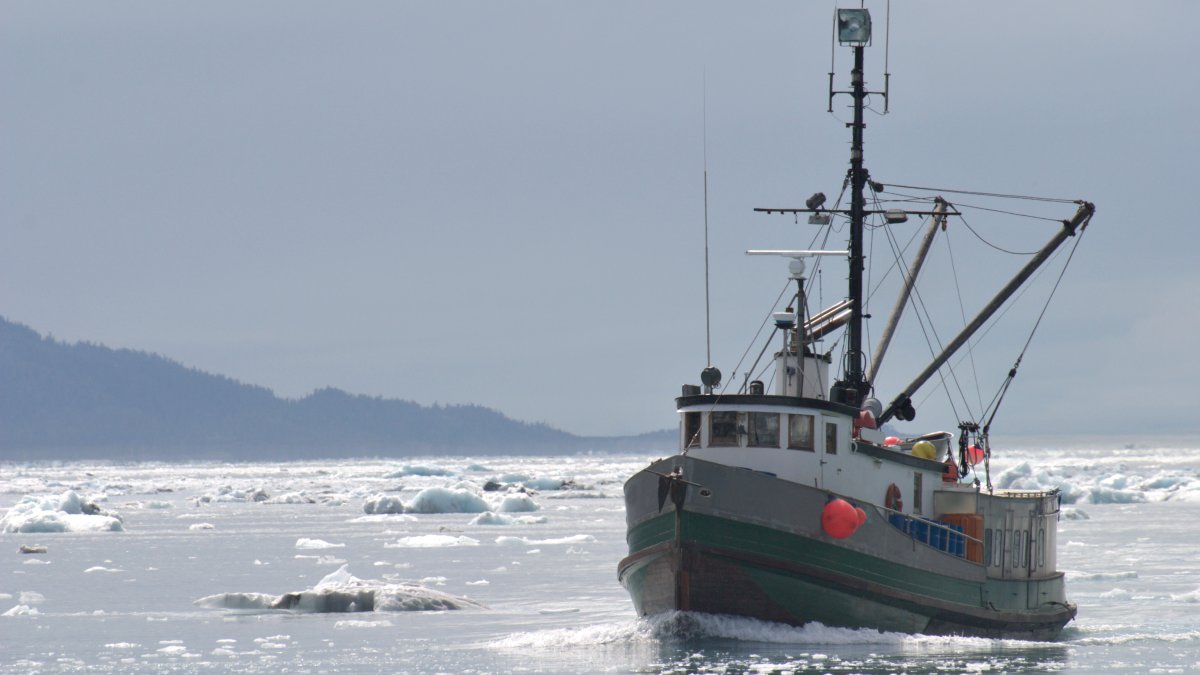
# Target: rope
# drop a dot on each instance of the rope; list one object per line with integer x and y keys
{"x": 1012, "y": 373}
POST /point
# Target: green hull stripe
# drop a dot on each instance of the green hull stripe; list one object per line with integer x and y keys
{"x": 756, "y": 540}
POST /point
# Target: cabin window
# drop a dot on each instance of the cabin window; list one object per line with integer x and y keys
{"x": 917, "y": 492}
{"x": 764, "y": 429}
{"x": 1041, "y": 547}
{"x": 987, "y": 546}
{"x": 691, "y": 430}
{"x": 723, "y": 429}
{"x": 831, "y": 436}
{"x": 800, "y": 432}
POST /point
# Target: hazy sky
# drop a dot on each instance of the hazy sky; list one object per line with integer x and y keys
{"x": 501, "y": 202}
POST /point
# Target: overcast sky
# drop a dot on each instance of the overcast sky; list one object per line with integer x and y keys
{"x": 501, "y": 202}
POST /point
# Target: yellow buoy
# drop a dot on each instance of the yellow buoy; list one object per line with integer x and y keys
{"x": 924, "y": 449}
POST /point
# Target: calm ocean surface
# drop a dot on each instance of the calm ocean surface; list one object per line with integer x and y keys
{"x": 183, "y": 582}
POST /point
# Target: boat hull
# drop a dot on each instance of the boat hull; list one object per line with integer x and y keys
{"x": 715, "y": 540}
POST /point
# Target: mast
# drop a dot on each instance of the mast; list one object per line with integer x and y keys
{"x": 853, "y": 387}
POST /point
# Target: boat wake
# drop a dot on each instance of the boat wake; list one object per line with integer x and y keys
{"x": 680, "y": 628}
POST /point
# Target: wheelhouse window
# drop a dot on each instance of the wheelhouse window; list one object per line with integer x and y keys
{"x": 831, "y": 438}
{"x": 917, "y": 489}
{"x": 800, "y": 432}
{"x": 764, "y": 429}
{"x": 691, "y": 430}
{"x": 723, "y": 428}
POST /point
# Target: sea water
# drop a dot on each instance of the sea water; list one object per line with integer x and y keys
{"x": 188, "y": 568}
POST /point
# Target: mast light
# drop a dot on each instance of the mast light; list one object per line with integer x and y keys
{"x": 854, "y": 27}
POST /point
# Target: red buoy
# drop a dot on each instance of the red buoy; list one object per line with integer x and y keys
{"x": 891, "y": 440}
{"x": 839, "y": 519}
{"x": 974, "y": 454}
{"x": 862, "y": 515}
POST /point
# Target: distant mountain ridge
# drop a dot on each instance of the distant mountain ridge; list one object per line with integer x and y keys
{"x": 64, "y": 401}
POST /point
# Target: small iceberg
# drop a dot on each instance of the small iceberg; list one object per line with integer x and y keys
{"x": 67, "y": 512}
{"x": 342, "y": 592}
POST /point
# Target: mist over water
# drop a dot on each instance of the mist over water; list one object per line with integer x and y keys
{"x": 386, "y": 566}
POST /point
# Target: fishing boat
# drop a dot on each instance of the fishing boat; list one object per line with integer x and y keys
{"x": 787, "y": 500}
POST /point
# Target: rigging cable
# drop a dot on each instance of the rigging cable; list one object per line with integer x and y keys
{"x": 962, "y": 311}
{"x": 995, "y": 406}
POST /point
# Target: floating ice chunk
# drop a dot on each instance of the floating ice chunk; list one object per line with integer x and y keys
{"x": 420, "y": 470}
{"x": 446, "y": 500}
{"x": 67, "y": 512}
{"x": 380, "y": 504}
{"x": 517, "y": 502}
{"x": 21, "y": 610}
{"x": 1075, "y": 514}
{"x": 159, "y": 505}
{"x": 291, "y": 498}
{"x": 201, "y": 526}
{"x": 491, "y": 518}
{"x": 26, "y": 549}
{"x": 306, "y": 543}
{"x": 173, "y": 650}
{"x": 574, "y": 539}
{"x": 31, "y": 598}
{"x": 100, "y": 568}
{"x": 340, "y": 591}
{"x": 432, "y": 541}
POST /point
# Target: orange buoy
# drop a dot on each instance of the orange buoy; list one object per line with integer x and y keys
{"x": 974, "y": 454}
{"x": 839, "y": 519}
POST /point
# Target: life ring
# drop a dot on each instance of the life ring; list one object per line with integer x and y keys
{"x": 892, "y": 499}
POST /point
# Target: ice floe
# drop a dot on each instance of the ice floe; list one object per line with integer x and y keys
{"x": 574, "y": 539}
{"x": 383, "y": 504}
{"x": 493, "y": 518}
{"x": 342, "y": 592}
{"x": 432, "y": 541}
{"x": 447, "y": 500}
{"x": 306, "y": 543}
{"x": 66, "y": 512}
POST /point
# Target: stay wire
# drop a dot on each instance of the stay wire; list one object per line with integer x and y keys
{"x": 998, "y": 195}
{"x": 1037, "y": 324}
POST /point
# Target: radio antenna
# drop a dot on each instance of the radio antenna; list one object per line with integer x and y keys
{"x": 707, "y": 314}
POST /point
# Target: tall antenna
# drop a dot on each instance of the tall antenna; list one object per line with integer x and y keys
{"x": 707, "y": 319}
